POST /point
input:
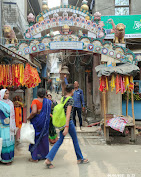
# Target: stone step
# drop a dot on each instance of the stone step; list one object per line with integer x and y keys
{"x": 89, "y": 131}
{"x": 87, "y": 137}
{"x": 91, "y": 140}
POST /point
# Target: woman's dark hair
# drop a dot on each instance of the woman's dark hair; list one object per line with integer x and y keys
{"x": 69, "y": 88}
{"x": 41, "y": 92}
{"x": 49, "y": 95}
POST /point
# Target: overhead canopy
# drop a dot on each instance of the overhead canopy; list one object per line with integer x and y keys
{"x": 4, "y": 51}
{"x": 122, "y": 69}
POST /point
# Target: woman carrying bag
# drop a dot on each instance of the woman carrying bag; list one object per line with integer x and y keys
{"x": 40, "y": 118}
{"x": 7, "y": 127}
{"x": 69, "y": 128}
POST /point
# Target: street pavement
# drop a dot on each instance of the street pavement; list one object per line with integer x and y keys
{"x": 105, "y": 161}
{"x": 117, "y": 160}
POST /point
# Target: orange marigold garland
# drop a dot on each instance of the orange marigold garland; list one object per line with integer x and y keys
{"x": 31, "y": 76}
{"x": 10, "y": 75}
{"x": 1, "y": 75}
{"x": 16, "y": 75}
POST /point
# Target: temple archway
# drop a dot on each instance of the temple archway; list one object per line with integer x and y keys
{"x": 77, "y": 30}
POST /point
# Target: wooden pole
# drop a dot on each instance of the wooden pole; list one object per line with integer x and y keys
{"x": 127, "y": 103}
{"x": 104, "y": 104}
{"x": 132, "y": 100}
{"x": 133, "y": 129}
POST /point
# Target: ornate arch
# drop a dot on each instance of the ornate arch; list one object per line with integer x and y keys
{"x": 74, "y": 42}
{"x": 79, "y": 30}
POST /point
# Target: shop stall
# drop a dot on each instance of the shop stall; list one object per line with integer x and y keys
{"x": 17, "y": 74}
{"x": 120, "y": 79}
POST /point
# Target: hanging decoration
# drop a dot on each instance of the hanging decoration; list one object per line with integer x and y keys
{"x": 16, "y": 75}
{"x": 31, "y": 76}
{"x": 118, "y": 82}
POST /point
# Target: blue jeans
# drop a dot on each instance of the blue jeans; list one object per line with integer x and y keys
{"x": 56, "y": 146}
{"x": 79, "y": 110}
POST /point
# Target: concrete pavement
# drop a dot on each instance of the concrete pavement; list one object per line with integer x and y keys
{"x": 105, "y": 161}
{"x": 114, "y": 160}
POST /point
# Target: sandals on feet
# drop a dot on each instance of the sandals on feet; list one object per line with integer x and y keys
{"x": 10, "y": 163}
{"x": 83, "y": 161}
{"x": 31, "y": 160}
{"x": 49, "y": 166}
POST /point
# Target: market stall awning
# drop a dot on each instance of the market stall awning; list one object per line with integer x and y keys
{"x": 14, "y": 55}
{"x": 122, "y": 69}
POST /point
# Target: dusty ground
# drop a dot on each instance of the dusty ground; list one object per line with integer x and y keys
{"x": 111, "y": 161}
{"x": 120, "y": 159}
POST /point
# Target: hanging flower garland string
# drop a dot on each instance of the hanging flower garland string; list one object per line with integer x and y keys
{"x": 17, "y": 75}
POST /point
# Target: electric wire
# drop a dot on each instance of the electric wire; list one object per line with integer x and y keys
{"x": 31, "y": 7}
{"x": 77, "y": 2}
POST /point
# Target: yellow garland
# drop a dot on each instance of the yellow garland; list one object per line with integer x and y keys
{"x": 112, "y": 82}
{"x": 107, "y": 87}
{"x": 126, "y": 83}
{"x": 21, "y": 73}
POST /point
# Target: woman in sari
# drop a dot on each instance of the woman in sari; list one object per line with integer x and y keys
{"x": 7, "y": 127}
{"x": 53, "y": 137}
{"x": 40, "y": 118}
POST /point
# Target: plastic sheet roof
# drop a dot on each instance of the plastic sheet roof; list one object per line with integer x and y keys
{"x": 122, "y": 69}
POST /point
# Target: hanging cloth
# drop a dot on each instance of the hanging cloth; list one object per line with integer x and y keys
{"x": 18, "y": 117}
{"x": 117, "y": 83}
{"x": 122, "y": 86}
{"x": 107, "y": 86}
{"x": 102, "y": 83}
{"x": 131, "y": 84}
{"x": 126, "y": 83}
{"x": 112, "y": 83}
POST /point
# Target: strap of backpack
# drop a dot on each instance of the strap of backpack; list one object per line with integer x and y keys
{"x": 62, "y": 99}
{"x": 65, "y": 100}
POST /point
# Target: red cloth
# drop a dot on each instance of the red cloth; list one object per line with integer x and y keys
{"x": 117, "y": 83}
{"x": 38, "y": 103}
{"x": 102, "y": 83}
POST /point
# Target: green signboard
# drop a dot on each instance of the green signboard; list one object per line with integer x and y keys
{"x": 132, "y": 23}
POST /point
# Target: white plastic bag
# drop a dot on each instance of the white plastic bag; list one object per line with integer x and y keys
{"x": 0, "y": 147}
{"x": 27, "y": 133}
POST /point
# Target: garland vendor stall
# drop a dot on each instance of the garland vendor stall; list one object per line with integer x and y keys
{"x": 119, "y": 78}
{"x": 18, "y": 74}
